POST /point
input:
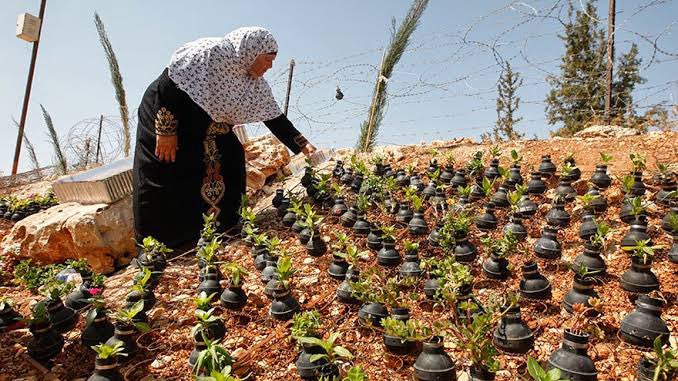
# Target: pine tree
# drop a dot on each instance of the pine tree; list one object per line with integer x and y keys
{"x": 507, "y": 104}
{"x": 578, "y": 95}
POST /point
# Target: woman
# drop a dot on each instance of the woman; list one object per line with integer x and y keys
{"x": 188, "y": 162}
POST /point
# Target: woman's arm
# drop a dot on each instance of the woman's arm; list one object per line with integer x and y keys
{"x": 283, "y": 129}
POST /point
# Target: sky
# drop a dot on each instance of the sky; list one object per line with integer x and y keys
{"x": 444, "y": 87}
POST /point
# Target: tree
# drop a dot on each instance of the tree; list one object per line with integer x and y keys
{"x": 507, "y": 104}
{"x": 578, "y": 94}
{"x": 400, "y": 38}
{"x": 116, "y": 79}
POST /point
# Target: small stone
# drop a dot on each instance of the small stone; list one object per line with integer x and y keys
{"x": 161, "y": 362}
{"x": 179, "y": 298}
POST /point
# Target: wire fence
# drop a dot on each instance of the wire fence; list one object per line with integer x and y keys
{"x": 429, "y": 75}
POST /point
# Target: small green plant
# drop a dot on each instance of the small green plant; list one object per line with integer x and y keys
{"x": 203, "y": 301}
{"x": 475, "y": 165}
{"x": 673, "y": 221}
{"x": 352, "y": 255}
{"x": 362, "y": 203}
{"x": 513, "y": 198}
{"x": 410, "y": 246}
{"x": 55, "y": 289}
{"x": 474, "y": 337}
{"x": 355, "y": 373}
{"x": 627, "y": 183}
{"x": 33, "y": 276}
{"x": 599, "y": 239}
{"x": 583, "y": 271}
{"x": 79, "y": 265}
{"x": 388, "y": 233}
{"x": 460, "y": 223}
{"x": 105, "y": 351}
{"x": 141, "y": 281}
{"x": 219, "y": 375}
{"x": 126, "y": 315}
{"x": 98, "y": 309}
{"x": 5, "y": 302}
{"x": 567, "y": 169}
{"x": 152, "y": 247}
{"x": 341, "y": 241}
{"x": 638, "y": 161}
{"x": 412, "y": 330}
{"x": 637, "y": 206}
{"x": 205, "y": 319}
{"x": 488, "y": 186}
{"x": 209, "y": 227}
{"x": 209, "y": 252}
{"x": 495, "y": 152}
{"x": 234, "y": 273}
{"x": 214, "y": 358}
{"x": 586, "y": 200}
{"x": 642, "y": 250}
{"x": 515, "y": 157}
{"x": 605, "y": 158}
{"x": 284, "y": 270}
{"x": 248, "y": 216}
{"x": 464, "y": 191}
{"x": 417, "y": 202}
{"x": 502, "y": 247}
{"x": 38, "y": 314}
{"x": 306, "y": 324}
{"x": 665, "y": 361}
{"x": 539, "y": 374}
{"x": 333, "y": 353}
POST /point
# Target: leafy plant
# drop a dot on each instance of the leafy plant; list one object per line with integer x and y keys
{"x": 539, "y": 374}
{"x": 234, "y": 273}
{"x": 388, "y": 232}
{"x": 410, "y": 246}
{"x": 33, "y": 276}
{"x": 152, "y": 247}
{"x": 599, "y": 239}
{"x": 105, "y": 351}
{"x": 582, "y": 317}
{"x": 495, "y": 152}
{"x": 356, "y": 373}
{"x": 208, "y": 252}
{"x": 205, "y": 318}
{"x": 214, "y": 358}
{"x": 567, "y": 169}
{"x": 637, "y": 206}
{"x": 306, "y": 324}
{"x": 488, "y": 186}
{"x": 79, "y": 265}
{"x": 513, "y": 198}
{"x": 605, "y": 158}
{"x": 341, "y": 241}
{"x": 362, "y": 203}
{"x": 55, "y": 289}
{"x": 98, "y": 304}
{"x": 412, "y": 330}
{"x": 203, "y": 301}
{"x": 515, "y": 157}
{"x": 638, "y": 161}
{"x": 333, "y": 353}
{"x": 583, "y": 271}
{"x": 502, "y": 247}
{"x": 125, "y": 316}
{"x": 248, "y": 216}
{"x": 219, "y": 375}
{"x": 417, "y": 202}
{"x": 352, "y": 255}
{"x": 464, "y": 191}
{"x": 673, "y": 221}
{"x": 586, "y": 200}
{"x": 141, "y": 281}
{"x": 627, "y": 183}
{"x": 38, "y": 314}
{"x": 665, "y": 361}
{"x": 284, "y": 270}
{"x": 475, "y": 165}
{"x": 474, "y": 337}
{"x": 642, "y": 250}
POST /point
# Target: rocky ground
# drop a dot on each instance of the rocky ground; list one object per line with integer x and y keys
{"x": 263, "y": 347}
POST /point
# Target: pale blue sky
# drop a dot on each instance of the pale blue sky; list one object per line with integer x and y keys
{"x": 443, "y": 88}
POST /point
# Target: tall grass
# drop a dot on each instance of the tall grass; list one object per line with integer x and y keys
{"x": 31, "y": 151}
{"x": 116, "y": 79}
{"x": 60, "y": 158}
{"x": 400, "y": 39}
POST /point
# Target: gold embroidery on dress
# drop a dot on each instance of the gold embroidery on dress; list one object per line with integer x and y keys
{"x": 213, "y": 186}
{"x": 165, "y": 123}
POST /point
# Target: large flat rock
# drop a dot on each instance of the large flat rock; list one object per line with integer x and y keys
{"x": 101, "y": 233}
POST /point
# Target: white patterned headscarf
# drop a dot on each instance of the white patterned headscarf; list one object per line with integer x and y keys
{"x": 214, "y": 72}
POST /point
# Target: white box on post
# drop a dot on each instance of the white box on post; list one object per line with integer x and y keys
{"x": 28, "y": 27}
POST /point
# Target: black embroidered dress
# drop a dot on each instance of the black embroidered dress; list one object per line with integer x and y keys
{"x": 208, "y": 175}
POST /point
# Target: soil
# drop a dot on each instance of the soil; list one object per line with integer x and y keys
{"x": 262, "y": 346}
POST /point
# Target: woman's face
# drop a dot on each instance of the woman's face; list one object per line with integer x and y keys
{"x": 261, "y": 64}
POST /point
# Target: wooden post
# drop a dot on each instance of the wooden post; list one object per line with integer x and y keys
{"x": 289, "y": 86}
{"x": 374, "y": 104}
{"x": 610, "y": 61}
{"x": 101, "y": 121}
{"x": 27, "y": 94}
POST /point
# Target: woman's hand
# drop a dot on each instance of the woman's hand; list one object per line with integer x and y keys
{"x": 166, "y": 147}
{"x": 308, "y": 150}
